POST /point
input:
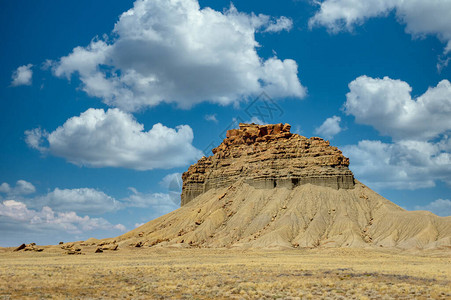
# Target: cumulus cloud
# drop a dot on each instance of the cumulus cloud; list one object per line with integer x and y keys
{"x": 5, "y": 188}
{"x": 175, "y": 52}
{"x": 387, "y": 105}
{"x": 22, "y": 76}
{"x": 329, "y": 128}
{"x": 22, "y": 188}
{"x": 400, "y": 165}
{"x": 420, "y": 17}
{"x": 114, "y": 139}
{"x": 338, "y": 15}
{"x": 47, "y": 219}
{"x": 157, "y": 203}
{"x": 82, "y": 200}
{"x": 440, "y": 207}
{"x": 65, "y": 214}
{"x": 420, "y": 153}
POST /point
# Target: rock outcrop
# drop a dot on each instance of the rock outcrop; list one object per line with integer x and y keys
{"x": 265, "y": 157}
{"x": 265, "y": 187}
{"x": 29, "y": 247}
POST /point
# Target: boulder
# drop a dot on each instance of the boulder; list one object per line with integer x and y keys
{"x": 21, "y": 247}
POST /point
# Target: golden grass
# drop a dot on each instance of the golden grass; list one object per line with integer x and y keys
{"x": 223, "y": 274}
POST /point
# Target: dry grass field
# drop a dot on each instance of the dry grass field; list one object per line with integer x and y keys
{"x": 225, "y": 274}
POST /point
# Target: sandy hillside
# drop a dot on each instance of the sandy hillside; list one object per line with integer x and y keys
{"x": 307, "y": 216}
{"x": 265, "y": 187}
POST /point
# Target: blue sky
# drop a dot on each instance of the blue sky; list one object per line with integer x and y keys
{"x": 104, "y": 103}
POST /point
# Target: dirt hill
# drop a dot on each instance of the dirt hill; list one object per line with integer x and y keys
{"x": 265, "y": 187}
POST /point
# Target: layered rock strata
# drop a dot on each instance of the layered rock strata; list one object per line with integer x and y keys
{"x": 265, "y": 157}
{"x": 265, "y": 187}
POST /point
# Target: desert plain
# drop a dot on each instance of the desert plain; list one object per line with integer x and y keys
{"x": 169, "y": 273}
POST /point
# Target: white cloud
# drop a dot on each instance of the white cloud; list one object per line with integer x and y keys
{"x": 329, "y": 128}
{"x": 211, "y": 118}
{"x": 282, "y": 23}
{"x": 5, "y": 188}
{"x": 338, "y": 15}
{"x": 22, "y": 76}
{"x": 22, "y": 188}
{"x": 420, "y": 153}
{"x": 82, "y": 200}
{"x": 173, "y": 51}
{"x": 158, "y": 203}
{"x": 420, "y": 17}
{"x": 114, "y": 139}
{"x": 400, "y": 165}
{"x": 62, "y": 213}
{"x": 35, "y": 138}
{"x": 387, "y": 105}
{"x": 46, "y": 219}
{"x": 440, "y": 207}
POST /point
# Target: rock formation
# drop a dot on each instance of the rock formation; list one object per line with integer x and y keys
{"x": 29, "y": 247}
{"x": 265, "y": 187}
{"x": 265, "y": 157}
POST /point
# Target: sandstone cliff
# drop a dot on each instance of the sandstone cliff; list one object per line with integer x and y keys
{"x": 265, "y": 187}
{"x": 268, "y": 156}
